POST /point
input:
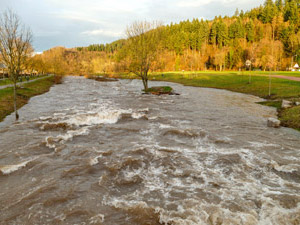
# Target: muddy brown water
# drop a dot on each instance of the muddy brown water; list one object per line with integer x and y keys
{"x": 88, "y": 152}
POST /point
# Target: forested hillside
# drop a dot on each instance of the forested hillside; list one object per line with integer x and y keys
{"x": 267, "y": 36}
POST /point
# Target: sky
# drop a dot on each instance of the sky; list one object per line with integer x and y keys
{"x": 74, "y": 23}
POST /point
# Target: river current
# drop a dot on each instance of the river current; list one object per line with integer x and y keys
{"x": 91, "y": 152}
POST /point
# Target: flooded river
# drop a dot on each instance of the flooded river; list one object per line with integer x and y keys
{"x": 91, "y": 152}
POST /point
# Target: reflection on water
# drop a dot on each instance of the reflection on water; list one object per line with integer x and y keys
{"x": 102, "y": 153}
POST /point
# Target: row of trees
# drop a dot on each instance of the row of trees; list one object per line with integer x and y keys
{"x": 268, "y": 36}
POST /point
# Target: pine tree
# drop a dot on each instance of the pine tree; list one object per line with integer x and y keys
{"x": 213, "y": 33}
{"x": 279, "y": 5}
{"x": 250, "y": 31}
{"x": 269, "y": 11}
{"x": 237, "y": 13}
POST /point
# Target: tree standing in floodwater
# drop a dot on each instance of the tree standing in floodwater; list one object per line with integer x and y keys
{"x": 142, "y": 48}
{"x": 15, "y": 47}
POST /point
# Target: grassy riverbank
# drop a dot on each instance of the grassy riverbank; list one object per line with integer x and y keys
{"x": 253, "y": 73}
{"x": 7, "y": 81}
{"x": 259, "y": 86}
{"x": 24, "y": 93}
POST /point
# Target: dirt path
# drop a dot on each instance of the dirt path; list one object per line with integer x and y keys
{"x": 286, "y": 77}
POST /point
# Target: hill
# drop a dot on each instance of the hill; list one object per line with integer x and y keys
{"x": 267, "y": 37}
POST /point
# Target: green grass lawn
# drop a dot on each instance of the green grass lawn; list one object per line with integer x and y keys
{"x": 253, "y": 73}
{"x": 259, "y": 86}
{"x": 7, "y": 81}
{"x": 290, "y": 117}
{"x": 23, "y": 94}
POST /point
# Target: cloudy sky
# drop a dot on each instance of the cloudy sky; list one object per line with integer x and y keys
{"x": 72, "y": 23}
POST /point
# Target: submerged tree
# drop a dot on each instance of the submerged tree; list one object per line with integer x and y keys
{"x": 15, "y": 47}
{"x": 142, "y": 48}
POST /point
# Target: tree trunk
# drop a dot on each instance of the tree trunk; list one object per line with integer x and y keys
{"x": 15, "y": 100}
{"x": 269, "y": 84}
{"x": 145, "y": 82}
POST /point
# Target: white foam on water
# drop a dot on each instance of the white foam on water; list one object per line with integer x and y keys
{"x": 272, "y": 213}
{"x": 131, "y": 175}
{"x": 234, "y": 188}
{"x": 152, "y": 117}
{"x": 94, "y": 161}
{"x": 50, "y": 142}
{"x": 59, "y": 114}
{"x": 83, "y": 120}
{"x": 165, "y": 126}
{"x": 137, "y": 115}
{"x": 99, "y": 218}
{"x": 262, "y": 144}
{"x": 145, "y": 110}
{"x": 104, "y": 113}
{"x": 7, "y": 169}
{"x": 105, "y": 117}
{"x": 285, "y": 168}
{"x": 73, "y": 133}
{"x": 43, "y": 118}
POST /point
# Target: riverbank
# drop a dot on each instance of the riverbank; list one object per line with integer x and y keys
{"x": 281, "y": 89}
{"x": 7, "y": 81}
{"x": 246, "y": 73}
{"x": 24, "y": 93}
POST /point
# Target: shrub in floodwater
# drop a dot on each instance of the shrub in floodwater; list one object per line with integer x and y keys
{"x": 100, "y": 78}
{"x": 159, "y": 90}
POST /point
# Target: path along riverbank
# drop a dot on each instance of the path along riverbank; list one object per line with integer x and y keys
{"x": 2, "y": 86}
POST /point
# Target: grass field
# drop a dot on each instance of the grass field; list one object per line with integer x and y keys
{"x": 23, "y": 94}
{"x": 253, "y": 73}
{"x": 7, "y": 81}
{"x": 259, "y": 86}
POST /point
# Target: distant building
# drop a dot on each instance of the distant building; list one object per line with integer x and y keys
{"x": 2, "y": 70}
{"x": 295, "y": 67}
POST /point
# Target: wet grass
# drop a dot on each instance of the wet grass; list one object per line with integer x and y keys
{"x": 159, "y": 90}
{"x": 27, "y": 91}
{"x": 290, "y": 117}
{"x": 275, "y": 104}
{"x": 259, "y": 86}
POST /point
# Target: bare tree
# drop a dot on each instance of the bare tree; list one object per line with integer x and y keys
{"x": 142, "y": 49}
{"x": 15, "y": 47}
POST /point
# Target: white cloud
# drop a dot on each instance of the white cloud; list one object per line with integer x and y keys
{"x": 91, "y": 6}
{"x": 82, "y": 22}
{"x": 77, "y": 16}
{"x": 198, "y": 3}
{"x": 101, "y": 32}
{"x": 193, "y": 3}
{"x": 46, "y": 33}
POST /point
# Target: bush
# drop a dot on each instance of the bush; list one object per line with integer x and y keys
{"x": 57, "y": 79}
